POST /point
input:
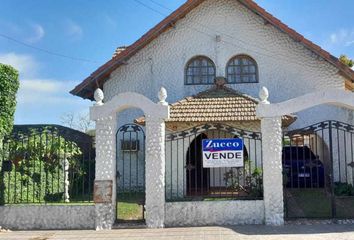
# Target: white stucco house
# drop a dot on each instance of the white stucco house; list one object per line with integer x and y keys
{"x": 213, "y": 57}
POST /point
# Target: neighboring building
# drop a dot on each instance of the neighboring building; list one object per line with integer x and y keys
{"x": 213, "y": 57}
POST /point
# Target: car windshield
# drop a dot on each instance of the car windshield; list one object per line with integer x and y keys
{"x": 298, "y": 153}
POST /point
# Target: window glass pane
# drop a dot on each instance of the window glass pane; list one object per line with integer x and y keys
{"x": 253, "y": 78}
{"x": 245, "y": 69}
{"x": 242, "y": 69}
{"x": 245, "y": 61}
{"x": 238, "y": 70}
{"x": 200, "y": 71}
{"x": 238, "y": 78}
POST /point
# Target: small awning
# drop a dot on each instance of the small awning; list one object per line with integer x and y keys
{"x": 218, "y": 104}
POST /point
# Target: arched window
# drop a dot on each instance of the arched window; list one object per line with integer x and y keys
{"x": 242, "y": 69}
{"x": 200, "y": 70}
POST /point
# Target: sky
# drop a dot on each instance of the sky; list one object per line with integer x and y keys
{"x": 57, "y": 44}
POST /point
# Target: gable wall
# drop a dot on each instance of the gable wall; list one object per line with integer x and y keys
{"x": 286, "y": 68}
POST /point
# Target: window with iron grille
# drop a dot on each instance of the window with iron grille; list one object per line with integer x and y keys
{"x": 130, "y": 145}
{"x": 242, "y": 69}
{"x": 200, "y": 70}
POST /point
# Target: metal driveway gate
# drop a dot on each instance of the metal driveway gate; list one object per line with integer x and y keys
{"x": 318, "y": 171}
{"x": 130, "y": 144}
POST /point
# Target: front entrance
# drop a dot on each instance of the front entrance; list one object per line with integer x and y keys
{"x": 318, "y": 171}
{"x": 130, "y": 173}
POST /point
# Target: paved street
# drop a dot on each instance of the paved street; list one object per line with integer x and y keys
{"x": 298, "y": 232}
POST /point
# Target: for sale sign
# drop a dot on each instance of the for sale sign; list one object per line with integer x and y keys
{"x": 222, "y": 153}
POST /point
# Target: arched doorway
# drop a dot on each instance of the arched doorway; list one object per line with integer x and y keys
{"x": 197, "y": 176}
{"x": 209, "y": 182}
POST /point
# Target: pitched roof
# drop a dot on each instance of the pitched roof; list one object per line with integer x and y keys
{"x": 218, "y": 104}
{"x": 97, "y": 78}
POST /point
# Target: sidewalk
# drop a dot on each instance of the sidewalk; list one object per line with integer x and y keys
{"x": 298, "y": 232}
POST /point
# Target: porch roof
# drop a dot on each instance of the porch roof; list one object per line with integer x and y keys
{"x": 218, "y": 104}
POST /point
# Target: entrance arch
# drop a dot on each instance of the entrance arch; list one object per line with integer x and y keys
{"x": 105, "y": 116}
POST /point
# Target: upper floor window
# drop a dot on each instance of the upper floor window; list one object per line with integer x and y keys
{"x": 242, "y": 69}
{"x": 200, "y": 70}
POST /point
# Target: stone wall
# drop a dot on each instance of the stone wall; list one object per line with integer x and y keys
{"x": 25, "y": 217}
{"x": 201, "y": 213}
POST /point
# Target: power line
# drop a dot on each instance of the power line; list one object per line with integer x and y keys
{"x": 45, "y": 50}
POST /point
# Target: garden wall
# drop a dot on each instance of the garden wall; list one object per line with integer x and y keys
{"x": 24, "y": 217}
{"x": 201, "y": 213}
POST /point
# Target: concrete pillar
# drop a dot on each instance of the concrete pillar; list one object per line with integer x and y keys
{"x": 272, "y": 170}
{"x": 272, "y": 163}
{"x": 155, "y": 172}
{"x": 104, "y": 189}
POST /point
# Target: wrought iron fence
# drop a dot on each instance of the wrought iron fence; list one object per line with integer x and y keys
{"x": 318, "y": 170}
{"x": 46, "y": 164}
{"x": 187, "y": 179}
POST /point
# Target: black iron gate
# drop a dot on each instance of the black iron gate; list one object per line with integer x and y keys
{"x": 318, "y": 171}
{"x": 130, "y": 145}
{"x": 187, "y": 179}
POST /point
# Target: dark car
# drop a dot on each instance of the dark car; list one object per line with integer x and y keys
{"x": 302, "y": 168}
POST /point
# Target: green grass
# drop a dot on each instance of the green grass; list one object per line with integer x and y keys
{"x": 316, "y": 203}
{"x": 308, "y": 203}
{"x": 130, "y": 206}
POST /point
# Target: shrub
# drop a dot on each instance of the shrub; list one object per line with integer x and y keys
{"x": 9, "y": 85}
{"x": 343, "y": 189}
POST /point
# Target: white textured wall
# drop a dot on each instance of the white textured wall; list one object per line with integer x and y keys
{"x": 286, "y": 68}
{"x": 24, "y": 217}
{"x": 214, "y": 213}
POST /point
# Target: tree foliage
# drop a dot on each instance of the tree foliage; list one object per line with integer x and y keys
{"x": 344, "y": 59}
{"x": 9, "y": 85}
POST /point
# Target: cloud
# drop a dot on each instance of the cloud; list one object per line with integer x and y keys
{"x": 45, "y": 91}
{"x": 38, "y": 33}
{"x": 28, "y": 31}
{"x": 73, "y": 30}
{"x": 343, "y": 37}
{"x": 34, "y": 88}
{"x": 25, "y": 64}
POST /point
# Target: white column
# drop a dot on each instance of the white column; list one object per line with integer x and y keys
{"x": 272, "y": 163}
{"x": 155, "y": 172}
{"x": 155, "y": 164}
{"x": 272, "y": 170}
{"x": 105, "y": 170}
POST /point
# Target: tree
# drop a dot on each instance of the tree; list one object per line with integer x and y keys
{"x": 9, "y": 84}
{"x": 344, "y": 59}
{"x": 79, "y": 122}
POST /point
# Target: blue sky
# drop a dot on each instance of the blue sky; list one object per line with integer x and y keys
{"x": 91, "y": 30}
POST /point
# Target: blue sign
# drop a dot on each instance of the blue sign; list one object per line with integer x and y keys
{"x": 222, "y": 152}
